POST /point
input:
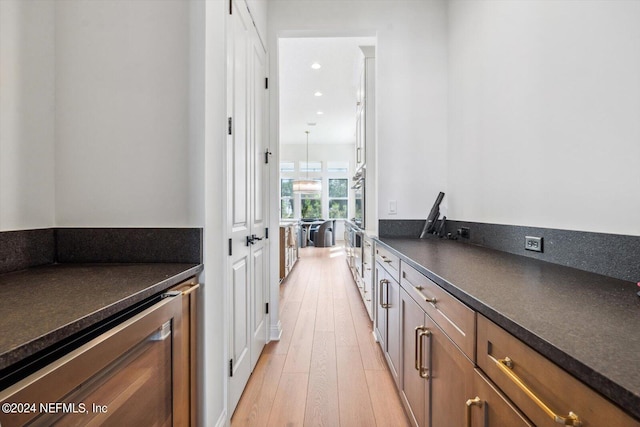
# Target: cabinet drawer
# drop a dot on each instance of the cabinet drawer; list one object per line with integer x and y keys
{"x": 456, "y": 319}
{"x": 508, "y": 361}
{"x": 490, "y": 408}
{"x": 367, "y": 248}
{"x": 389, "y": 261}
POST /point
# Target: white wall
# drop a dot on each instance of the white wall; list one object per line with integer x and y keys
{"x": 96, "y": 124}
{"x": 122, "y": 113}
{"x": 26, "y": 114}
{"x": 411, "y": 80}
{"x": 545, "y": 114}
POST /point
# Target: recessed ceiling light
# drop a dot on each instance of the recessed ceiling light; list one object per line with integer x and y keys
{"x": 316, "y": 66}
{"x": 319, "y": 113}
{"x": 318, "y": 93}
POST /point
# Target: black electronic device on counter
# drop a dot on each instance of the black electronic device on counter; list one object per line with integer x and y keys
{"x": 430, "y": 224}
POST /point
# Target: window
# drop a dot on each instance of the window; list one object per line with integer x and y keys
{"x": 338, "y": 197}
{"x": 310, "y": 166}
{"x": 287, "y": 167}
{"x": 311, "y": 206}
{"x": 338, "y": 167}
{"x": 286, "y": 198}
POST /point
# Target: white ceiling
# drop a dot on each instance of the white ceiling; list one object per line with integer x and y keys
{"x": 337, "y": 79}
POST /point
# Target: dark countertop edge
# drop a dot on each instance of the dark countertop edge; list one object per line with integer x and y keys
{"x": 53, "y": 337}
{"x": 614, "y": 392}
{"x": 368, "y": 233}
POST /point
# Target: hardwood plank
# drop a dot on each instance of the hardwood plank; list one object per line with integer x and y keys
{"x": 289, "y": 403}
{"x": 256, "y": 402}
{"x": 344, "y": 329}
{"x": 288, "y": 320}
{"x": 295, "y": 285}
{"x": 372, "y": 356}
{"x": 299, "y": 354}
{"x": 324, "y": 316}
{"x": 353, "y": 392}
{"x": 314, "y": 376}
{"x": 387, "y": 407}
{"x": 322, "y": 397}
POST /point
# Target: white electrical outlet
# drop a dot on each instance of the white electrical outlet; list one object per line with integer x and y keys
{"x": 393, "y": 207}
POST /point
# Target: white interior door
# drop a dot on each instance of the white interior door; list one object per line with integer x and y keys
{"x": 246, "y": 212}
{"x": 259, "y": 207}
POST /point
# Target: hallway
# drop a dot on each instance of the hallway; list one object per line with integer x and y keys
{"x": 326, "y": 370}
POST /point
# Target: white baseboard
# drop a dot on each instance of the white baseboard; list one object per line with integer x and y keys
{"x": 275, "y": 332}
{"x": 222, "y": 421}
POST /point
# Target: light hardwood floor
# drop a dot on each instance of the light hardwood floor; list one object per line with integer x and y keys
{"x": 326, "y": 370}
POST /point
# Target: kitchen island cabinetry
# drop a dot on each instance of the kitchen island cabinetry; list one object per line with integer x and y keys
{"x": 288, "y": 248}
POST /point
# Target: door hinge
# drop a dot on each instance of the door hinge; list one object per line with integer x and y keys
{"x": 267, "y": 153}
{"x": 230, "y": 247}
{"x": 266, "y": 233}
{"x": 230, "y": 367}
{"x": 230, "y": 125}
{"x": 266, "y": 82}
{"x": 230, "y": 7}
{"x": 267, "y": 308}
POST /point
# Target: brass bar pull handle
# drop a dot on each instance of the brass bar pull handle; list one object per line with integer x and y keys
{"x": 424, "y": 371}
{"x": 476, "y": 401}
{"x": 191, "y": 289}
{"x": 383, "y": 304}
{"x": 417, "y": 345}
{"x": 506, "y": 366}
{"x": 418, "y": 290}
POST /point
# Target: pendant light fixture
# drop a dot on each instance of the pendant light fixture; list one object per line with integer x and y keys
{"x": 307, "y": 186}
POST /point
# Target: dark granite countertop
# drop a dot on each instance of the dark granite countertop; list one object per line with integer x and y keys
{"x": 42, "y": 305}
{"x": 586, "y": 323}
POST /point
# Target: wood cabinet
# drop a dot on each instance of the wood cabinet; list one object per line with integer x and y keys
{"x": 538, "y": 387}
{"x": 456, "y": 319}
{"x": 189, "y": 331}
{"x": 387, "y": 315}
{"x": 367, "y": 274}
{"x": 288, "y": 248}
{"x": 434, "y": 362}
{"x": 436, "y": 374}
{"x": 489, "y": 407}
